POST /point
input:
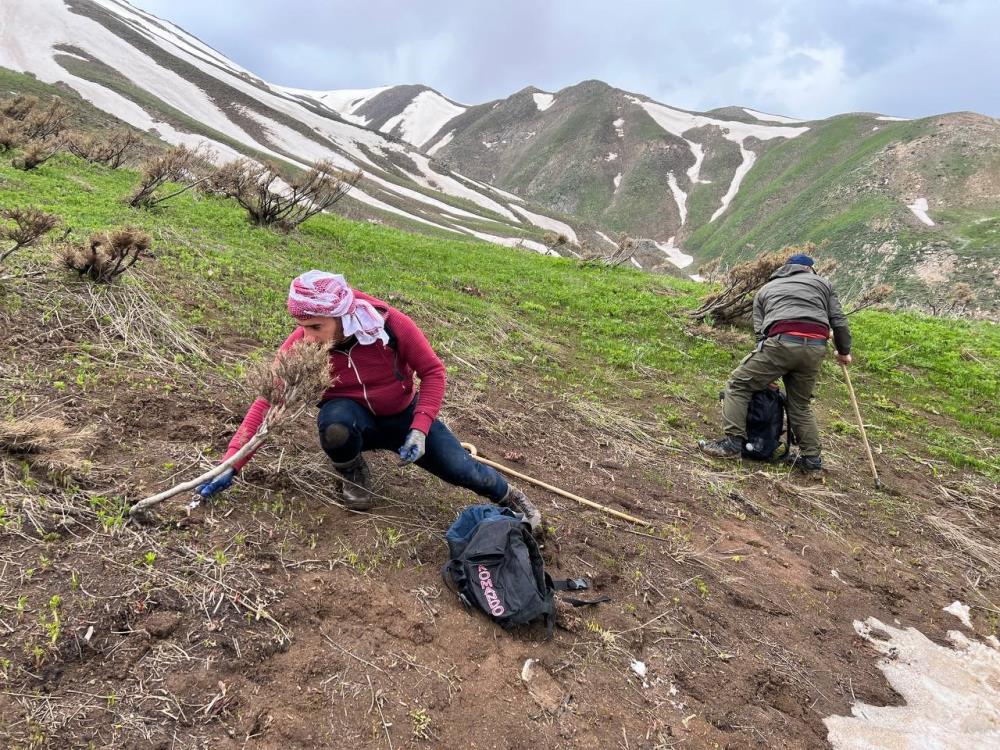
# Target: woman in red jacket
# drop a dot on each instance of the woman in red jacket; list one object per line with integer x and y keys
{"x": 375, "y": 350}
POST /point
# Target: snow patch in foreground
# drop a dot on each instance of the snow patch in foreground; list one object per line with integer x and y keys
{"x": 952, "y": 695}
{"x": 919, "y": 208}
{"x": 543, "y": 101}
{"x": 961, "y": 611}
{"x": 674, "y": 254}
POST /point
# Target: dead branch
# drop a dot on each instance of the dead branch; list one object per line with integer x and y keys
{"x": 30, "y": 224}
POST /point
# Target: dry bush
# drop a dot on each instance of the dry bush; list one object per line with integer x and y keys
{"x": 177, "y": 164}
{"x": 46, "y": 442}
{"x": 18, "y": 107}
{"x": 11, "y": 134}
{"x": 625, "y": 250}
{"x": 734, "y": 303}
{"x": 554, "y": 239}
{"x": 106, "y": 256}
{"x": 30, "y": 224}
{"x": 272, "y": 199}
{"x": 35, "y": 153}
{"x": 48, "y": 122}
{"x": 111, "y": 149}
{"x": 872, "y": 296}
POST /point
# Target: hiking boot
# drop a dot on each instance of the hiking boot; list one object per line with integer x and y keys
{"x": 727, "y": 447}
{"x": 357, "y": 486}
{"x": 805, "y": 463}
{"x": 517, "y": 502}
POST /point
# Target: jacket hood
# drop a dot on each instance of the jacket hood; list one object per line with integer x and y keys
{"x": 790, "y": 269}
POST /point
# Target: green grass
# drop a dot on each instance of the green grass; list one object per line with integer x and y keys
{"x": 617, "y": 335}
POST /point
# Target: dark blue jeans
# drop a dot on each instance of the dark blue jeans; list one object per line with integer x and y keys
{"x": 444, "y": 457}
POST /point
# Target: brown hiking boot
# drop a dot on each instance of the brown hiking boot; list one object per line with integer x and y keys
{"x": 516, "y": 501}
{"x": 357, "y": 485}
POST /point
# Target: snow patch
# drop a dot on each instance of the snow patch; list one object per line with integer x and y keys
{"x": 449, "y": 185}
{"x": 636, "y": 263}
{"x": 441, "y": 143}
{"x": 763, "y": 116}
{"x": 951, "y": 695}
{"x": 543, "y": 101}
{"x": 485, "y": 186}
{"x": 961, "y": 611}
{"x": 423, "y": 117}
{"x": 749, "y": 157}
{"x": 611, "y": 156}
{"x": 619, "y": 127}
{"x": 696, "y": 277}
{"x": 680, "y": 197}
{"x": 695, "y": 169}
{"x": 919, "y": 209}
{"x": 618, "y": 181}
{"x": 376, "y": 203}
{"x": 546, "y": 222}
{"x": 674, "y": 254}
{"x": 886, "y": 118}
{"x": 605, "y": 237}
{"x": 538, "y": 247}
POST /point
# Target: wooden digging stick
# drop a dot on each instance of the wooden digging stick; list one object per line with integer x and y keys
{"x": 589, "y": 503}
{"x": 861, "y": 425}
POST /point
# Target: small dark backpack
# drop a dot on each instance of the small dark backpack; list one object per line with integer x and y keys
{"x": 766, "y": 425}
{"x": 497, "y": 568}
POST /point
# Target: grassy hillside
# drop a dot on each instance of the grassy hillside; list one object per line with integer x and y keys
{"x": 239, "y": 622}
{"x": 591, "y": 332}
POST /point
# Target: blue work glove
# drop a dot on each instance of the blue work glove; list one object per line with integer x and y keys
{"x": 218, "y": 484}
{"x": 413, "y": 448}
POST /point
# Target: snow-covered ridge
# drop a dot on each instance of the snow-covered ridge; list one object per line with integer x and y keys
{"x": 343, "y": 101}
{"x": 422, "y": 118}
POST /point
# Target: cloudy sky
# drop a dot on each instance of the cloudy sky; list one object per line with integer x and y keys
{"x": 806, "y": 58}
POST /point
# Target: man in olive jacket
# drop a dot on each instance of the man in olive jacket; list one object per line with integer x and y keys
{"x": 793, "y": 314}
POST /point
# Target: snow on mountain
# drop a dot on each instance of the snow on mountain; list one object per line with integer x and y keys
{"x": 542, "y": 100}
{"x": 237, "y": 114}
{"x": 423, "y": 117}
{"x": 678, "y": 122}
{"x": 763, "y": 116}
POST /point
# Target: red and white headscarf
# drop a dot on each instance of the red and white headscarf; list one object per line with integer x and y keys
{"x": 327, "y": 295}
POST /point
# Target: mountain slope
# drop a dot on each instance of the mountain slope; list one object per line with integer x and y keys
{"x": 734, "y": 181}
{"x": 157, "y": 77}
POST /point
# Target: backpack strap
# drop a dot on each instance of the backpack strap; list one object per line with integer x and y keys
{"x": 576, "y": 584}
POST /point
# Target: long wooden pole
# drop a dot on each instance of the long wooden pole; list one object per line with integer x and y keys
{"x": 584, "y": 501}
{"x": 861, "y": 425}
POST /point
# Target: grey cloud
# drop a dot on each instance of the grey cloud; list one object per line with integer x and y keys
{"x": 807, "y": 59}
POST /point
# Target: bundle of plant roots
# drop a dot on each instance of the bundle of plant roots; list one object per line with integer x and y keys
{"x": 734, "y": 302}
{"x": 46, "y": 442}
{"x": 296, "y": 379}
{"x": 107, "y": 255}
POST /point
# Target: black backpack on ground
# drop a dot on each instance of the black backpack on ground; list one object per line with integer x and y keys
{"x": 497, "y": 568}
{"x": 766, "y": 423}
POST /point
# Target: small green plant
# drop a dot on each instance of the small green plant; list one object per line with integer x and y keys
{"x": 219, "y": 556}
{"x": 149, "y": 558}
{"x": 51, "y": 621}
{"x": 702, "y": 587}
{"x": 74, "y": 580}
{"x": 421, "y": 723}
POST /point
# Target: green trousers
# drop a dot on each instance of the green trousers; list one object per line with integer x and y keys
{"x": 798, "y": 365}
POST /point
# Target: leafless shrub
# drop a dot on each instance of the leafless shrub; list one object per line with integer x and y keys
{"x": 106, "y": 256}
{"x": 870, "y": 297}
{"x": 626, "y": 247}
{"x": 18, "y": 107}
{"x": 272, "y": 199}
{"x": 111, "y": 149}
{"x": 30, "y": 224}
{"x": 293, "y": 381}
{"x": 734, "y": 303}
{"x": 35, "y": 153}
{"x": 177, "y": 164}
{"x": 826, "y": 267}
{"x": 48, "y": 122}
{"x": 554, "y": 239}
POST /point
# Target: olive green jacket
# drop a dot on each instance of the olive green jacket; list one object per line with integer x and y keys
{"x": 795, "y": 292}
